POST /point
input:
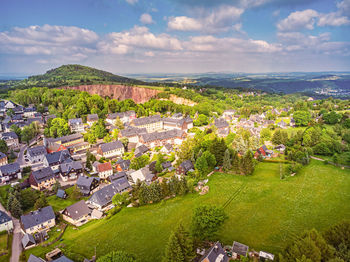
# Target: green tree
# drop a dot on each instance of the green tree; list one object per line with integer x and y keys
{"x": 227, "y": 160}
{"x": 247, "y": 164}
{"x": 117, "y": 256}
{"x": 331, "y": 118}
{"x": 202, "y": 166}
{"x": 14, "y": 206}
{"x": 206, "y": 221}
{"x": 59, "y": 127}
{"x": 179, "y": 247}
{"x": 76, "y": 194}
{"x": 302, "y": 118}
{"x": 3, "y": 146}
{"x": 139, "y": 162}
{"x": 41, "y": 202}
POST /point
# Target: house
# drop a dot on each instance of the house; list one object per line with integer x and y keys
{"x": 185, "y": 167}
{"x": 5, "y": 222}
{"x": 263, "y": 151}
{"x": 173, "y": 137}
{"x": 39, "y": 220}
{"x": 102, "y": 198}
{"x": 143, "y": 174}
{"x": 36, "y": 154}
{"x": 33, "y": 258}
{"x": 29, "y": 111}
{"x": 167, "y": 166}
{"x": 132, "y": 133}
{"x": 91, "y": 119}
{"x": 76, "y": 125}
{"x": 215, "y": 254}
{"x": 139, "y": 151}
{"x": 123, "y": 165}
{"x": 55, "y": 159}
{"x": 184, "y": 124}
{"x": 9, "y": 172}
{"x": 125, "y": 117}
{"x": 229, "y": 113}
{"x": 83, "y": 146}
{"x": 239, "y": 250}
{"x": 61, "y": 194}
{"x": 28, "y": 241}
{"x": 292, "y": 122}
{"x": 110, "y": 150}
{"x": 151, "y": 123}
{"x": 62, "y": 258}
{"x": 223, "y": 128}
{"x": 282, "y": 124}
{"x": 11, "y": 139}
{"x": 117, "y": 176}
{"x": 281, "y": 148}
{"x": 166, "y": 149}
{"x": 62, "y": 143}
{"x": 42, "y": 179}
{"x": 77, "y": 214}
{"x": 104, "y": 170}
{"x": 3, "y": 159}
{"x": 96, "y": 214}
{"x": 70, "y": 170}
{"x": 87, "y": 184}
{"x": 10, "y": 105}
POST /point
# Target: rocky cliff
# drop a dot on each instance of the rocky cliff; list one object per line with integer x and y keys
{"x": 119, "y": 92}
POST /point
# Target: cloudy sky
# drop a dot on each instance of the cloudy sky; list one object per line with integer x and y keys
{"x": 175, "y": 36}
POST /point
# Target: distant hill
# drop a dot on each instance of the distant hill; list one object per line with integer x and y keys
{"x": 69, "y": 75}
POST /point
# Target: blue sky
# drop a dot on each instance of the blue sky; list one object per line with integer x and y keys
{"x": 175, "y": 36}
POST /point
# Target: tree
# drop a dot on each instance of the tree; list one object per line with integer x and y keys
{"x": 218, "y": 148}
{"x": 302, "y": 118}
{"x": 179, "y": 247}
{"x": 139, "y": 162}
{"x": 280, "y": 137}
{"x": 247, "y": 164}
{"x": 76, "y": 194}
{"x": 201, "y": 120}
{"x": 14, "y": 206}
{"x": 27, "y": 134}
{"x": 206, "y": 221}
{"x": 202, "y": 165}
{"x": 265, "y": 135}
{"x": 331, "y": 118}
{"x": 56, "y": 186}
{"x": 107, "y": 138}
{"x": 58, "y": 127}
{"x": 235, "y": 161}
{"x": 3, "y": 146}
{"x": 117, "y": 256}
{"x": 227, "y": 160}
{"x": 41, "y": 202}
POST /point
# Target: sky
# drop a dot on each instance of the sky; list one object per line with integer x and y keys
{"x": 175, "y": 36}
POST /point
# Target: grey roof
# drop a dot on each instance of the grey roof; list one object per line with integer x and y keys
{"x": 124, "y": 164}
{"x": 75, "y": 121}
{"x": 169, "y": 134}
{"x": 37, "y": 217}
{"x": 221, "y": 123}
{"x": 187, "y": 165}
{"x": 121, "y": 184}
{"x": 43, "y": 174}
{"x": 62, "y": 259}
{"x": 58, "y": 157}
{"x": 68, "y": 166}
{"x": 10, "y": 169}
{"x": 140, "y": 150}
{"x": 117, "y": 176}
{"x": 147, "y": 120}
{"x": 111, "y": 146}
{"x": 215, "y": 254}
{"x": 36, "y": 151}
{"x": 28, "y": 240}
{"x": 61, "y": 193}
{"x": 121, "y": 114}
{"x": 84, "y": 183}
{"x": 77, "y": 210}
{"x": 4, "y": 217}
{"x": 33, "y": 258}
{"x": 68, "y": 138}
{"x": 131, "y": 131}
{"x": 92, "y": 117}
{"x": 103, "y": 196}
{"x": 240, "y": 249}
{"x": 9, "y": 135}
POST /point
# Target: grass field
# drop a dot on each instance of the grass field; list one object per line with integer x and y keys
{"x": 3, "y": 247}
{"x": 264, "y": 212}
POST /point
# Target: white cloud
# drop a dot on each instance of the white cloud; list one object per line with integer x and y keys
{"x": 146, "y": 19}
{"x": 48, "y": 40}
{"x": 184, "y": 23}
{"x": 131, "y": 2}
{"x": 298, "y": 20}
{"x": 218, "y": 20}
{"x": 138, "y": 37}
{"x": 344, "y": 7}
{"x": 332, "y": 19}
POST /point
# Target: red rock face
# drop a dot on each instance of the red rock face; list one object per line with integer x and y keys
{"x": 119, "y": 92}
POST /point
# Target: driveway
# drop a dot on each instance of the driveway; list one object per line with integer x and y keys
{"x": 17, "y": 237}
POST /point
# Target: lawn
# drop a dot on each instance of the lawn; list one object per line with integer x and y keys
{"x": 264, "y": 212}
{"x": 3, "y": 247}
{"x": 60, "y": 204}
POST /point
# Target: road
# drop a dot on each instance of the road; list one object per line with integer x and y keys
{"x": 17, "y": 237}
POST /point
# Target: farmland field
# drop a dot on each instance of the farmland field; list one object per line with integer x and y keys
{"x": 264, "y": 212}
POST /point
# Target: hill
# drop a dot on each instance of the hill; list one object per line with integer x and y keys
{"x": 78, "y": 74}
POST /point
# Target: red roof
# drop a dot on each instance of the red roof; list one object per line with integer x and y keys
{"x": 104, "y": 167}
